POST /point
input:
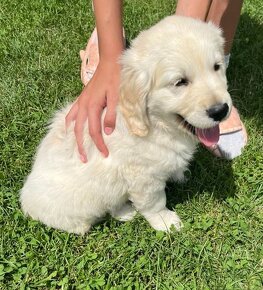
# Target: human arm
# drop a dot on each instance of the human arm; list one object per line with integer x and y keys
{"x": 103, "y": 89}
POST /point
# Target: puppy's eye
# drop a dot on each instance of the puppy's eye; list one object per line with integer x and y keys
{"x": 181, "y": 82}
{"x": 216, "y": 66}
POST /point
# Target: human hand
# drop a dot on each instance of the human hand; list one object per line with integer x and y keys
{"x": 102, "y": 91}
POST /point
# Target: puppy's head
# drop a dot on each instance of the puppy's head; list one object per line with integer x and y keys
{"x": 175, "y": 73}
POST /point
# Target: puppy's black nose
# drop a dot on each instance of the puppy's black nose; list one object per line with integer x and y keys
{"x": 218, "y": 112}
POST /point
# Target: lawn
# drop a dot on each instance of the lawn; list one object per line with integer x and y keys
{"x": 221, "y": 205}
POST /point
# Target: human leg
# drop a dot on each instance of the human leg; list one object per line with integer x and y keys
{"x": 198, "y": 9}
{"x": 226, "y": 14}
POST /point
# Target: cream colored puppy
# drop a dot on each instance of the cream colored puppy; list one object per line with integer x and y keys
{"x": 173, "y": 94}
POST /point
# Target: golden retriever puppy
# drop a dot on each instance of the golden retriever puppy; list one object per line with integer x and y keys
{"x": 173, "y": 94}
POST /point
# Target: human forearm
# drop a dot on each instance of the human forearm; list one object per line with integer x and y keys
{"x": 108, "y": 14}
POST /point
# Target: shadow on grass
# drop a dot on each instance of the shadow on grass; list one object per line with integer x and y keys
{"x": 207, "y": 174}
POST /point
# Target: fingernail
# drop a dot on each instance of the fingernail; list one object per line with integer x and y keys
{"x": 83, "y": 158}
{"x": 105, "y": 154}
{"x": 108, "y": 130}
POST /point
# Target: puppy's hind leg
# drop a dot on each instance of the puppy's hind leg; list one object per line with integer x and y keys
{"x": 124, "y": 213}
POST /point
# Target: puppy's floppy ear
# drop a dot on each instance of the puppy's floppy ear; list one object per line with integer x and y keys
{"x": 135, "y": 87}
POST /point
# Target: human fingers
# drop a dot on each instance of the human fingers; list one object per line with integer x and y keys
{"x": 78, "y": 129}
{"x": 94, "y": 117}
{"x": 72, "y": 114}
{"x": 110, "y": 116}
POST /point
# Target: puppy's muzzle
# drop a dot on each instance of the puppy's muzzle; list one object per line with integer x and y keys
{"x": 218, "y": 112}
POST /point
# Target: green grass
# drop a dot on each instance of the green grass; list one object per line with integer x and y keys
{"x": 221, "y": 205}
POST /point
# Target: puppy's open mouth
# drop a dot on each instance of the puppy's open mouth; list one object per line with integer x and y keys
{"x": 207, "y": 136}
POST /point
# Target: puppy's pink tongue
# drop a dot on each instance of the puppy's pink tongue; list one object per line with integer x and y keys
{"x": 208, "y": 137}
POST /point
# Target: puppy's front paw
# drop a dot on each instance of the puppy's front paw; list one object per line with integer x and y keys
{"x": 164, "y": 219}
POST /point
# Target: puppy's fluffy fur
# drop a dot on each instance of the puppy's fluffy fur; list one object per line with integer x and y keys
{"x": 169, "y": 81}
